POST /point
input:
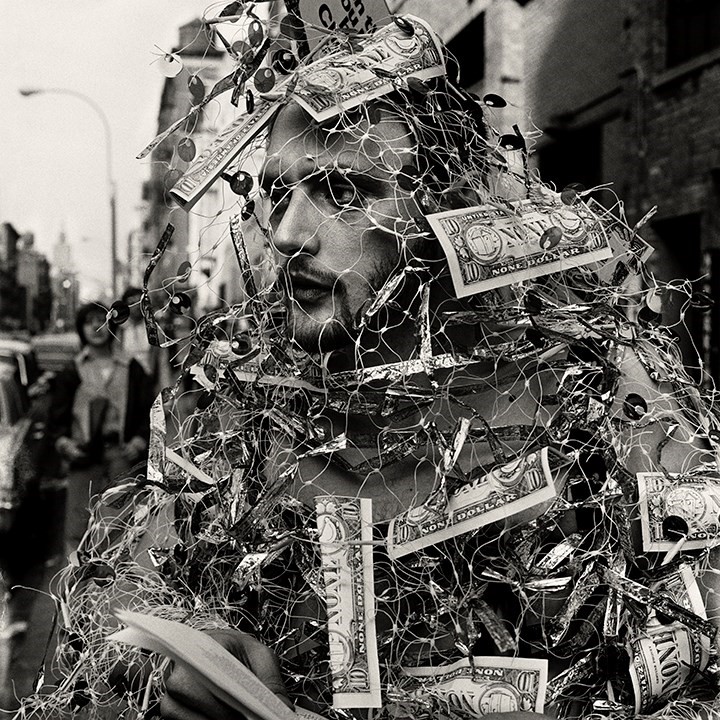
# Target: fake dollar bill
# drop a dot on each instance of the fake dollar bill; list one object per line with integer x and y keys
{"x": 221, "y": 153}
{"x": 491, "y": 246}
{"x": 337, "y": 84}
{"x": 345, "y": 533}
{"x": 629, "y": 251}
{"x": 481, "y": 685}
{"x": 218, "y": 669}
{"x": 667, "y": 656}
{"x": 497, "y": 496}
{"x": 696, "y": 500}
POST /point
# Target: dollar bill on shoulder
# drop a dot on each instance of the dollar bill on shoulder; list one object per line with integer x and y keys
{"x": 484, "y": 684}
{"x": 491, "y": 246}
{"x": 221, "y": 153}
{"x": 665, "y": 657}
{"x": 696, "y": 500}
{"x": 504, "y": 492}
{"x": 629, "y": 251}
{"x": 338, "y": 83}
{"x": 217, "y": 668}
{"x": 345, "y": 535}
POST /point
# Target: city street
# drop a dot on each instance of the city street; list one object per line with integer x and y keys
{"x": 30, "y": 555}
{"x": 377, "y": 340}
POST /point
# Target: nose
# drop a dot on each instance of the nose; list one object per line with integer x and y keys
{"x": 297, "y": 229}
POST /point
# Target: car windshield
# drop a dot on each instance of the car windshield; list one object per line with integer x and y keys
{"x": 11, "y": 406}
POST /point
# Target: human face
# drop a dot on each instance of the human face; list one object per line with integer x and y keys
{"x": 338, "y": 218}
{"x": 97, "y": 332}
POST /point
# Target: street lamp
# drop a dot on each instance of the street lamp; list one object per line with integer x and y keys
{"x": 28, "y": 92}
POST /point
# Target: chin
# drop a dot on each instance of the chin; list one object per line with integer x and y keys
{"x": 323, "y": 339}
{"x": 319, "y": 336}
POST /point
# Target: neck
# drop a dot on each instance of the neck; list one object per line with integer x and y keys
{"x": 374, "y": 348}
{"x": 99, "y": 350}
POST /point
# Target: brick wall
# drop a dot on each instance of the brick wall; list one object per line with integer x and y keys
{"x": 573, "y": 55}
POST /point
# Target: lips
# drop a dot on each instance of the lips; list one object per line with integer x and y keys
{"x": 307, "y": 287}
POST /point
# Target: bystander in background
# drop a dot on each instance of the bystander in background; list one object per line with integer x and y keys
{"x": 98, "y": 417}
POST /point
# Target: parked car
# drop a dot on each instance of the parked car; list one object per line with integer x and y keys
{"x": 55, "y": 351}
{"x": 19, "y": 454}
{"x": 20, "y": 354}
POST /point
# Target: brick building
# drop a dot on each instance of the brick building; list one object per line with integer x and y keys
{"x": 625, "y": 93}
{"x": 11, "y": 294}
{"x": 672, "y": 90}
{"x": 203, "y": 60}
{"x": 33, "y": 276}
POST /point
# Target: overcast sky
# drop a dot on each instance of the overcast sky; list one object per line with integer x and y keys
{"x": 52, "y": 149}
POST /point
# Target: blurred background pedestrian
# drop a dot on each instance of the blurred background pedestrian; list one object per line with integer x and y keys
{"x": 98, "y": 417}
{"x": 133, "y": 337}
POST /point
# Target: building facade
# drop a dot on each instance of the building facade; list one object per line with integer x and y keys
{"x": 64, "y": 285}
{"x": 615, "y": 93}
{"x": 25, "y": 291}
{"x": 11, "y": 296}
{"x": 33, "y": 276}
{"x": 191, "y": 241}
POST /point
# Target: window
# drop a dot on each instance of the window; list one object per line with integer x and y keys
{"x": 574, "y": 156}
{"x": 468, "y": 48}
{"x": 693, "y": 28}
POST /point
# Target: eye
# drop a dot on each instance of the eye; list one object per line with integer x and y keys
{"x": 341, "y": 193}
{"x": 279, "y": 199}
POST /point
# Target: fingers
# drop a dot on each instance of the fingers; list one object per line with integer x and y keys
{"x": 258, "y": 658}
{"x": 187, "y": 699}
{"x": 171, "y": 709}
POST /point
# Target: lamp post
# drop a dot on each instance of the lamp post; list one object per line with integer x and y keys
{"x": 28, "y": 92}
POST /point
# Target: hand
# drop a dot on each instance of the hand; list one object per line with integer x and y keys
{"x": 134, "y": 448}
{"x": 188, "y": 699}
{"x": 69, "y": 449}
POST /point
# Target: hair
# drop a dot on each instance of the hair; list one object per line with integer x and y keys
{"x": 91, "y": 308}
{"x": 130, "y": 291}
{"x": 449, "y": 127}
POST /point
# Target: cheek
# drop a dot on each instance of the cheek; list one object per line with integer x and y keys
{"x": 360, "y": 246}
{"x": 394, "y": 218}
{"x": 379, "y": 260}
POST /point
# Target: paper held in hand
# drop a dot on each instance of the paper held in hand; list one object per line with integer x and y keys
{"x": 218, "y": 669}
{"x": 490, "y": 246}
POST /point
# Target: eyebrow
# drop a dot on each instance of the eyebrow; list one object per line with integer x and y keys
{"x": 363, "y": 177}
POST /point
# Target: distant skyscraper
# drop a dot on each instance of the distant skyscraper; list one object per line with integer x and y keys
{"x": 62, "y": 256}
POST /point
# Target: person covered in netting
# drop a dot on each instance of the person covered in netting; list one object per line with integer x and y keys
{"x": 446, "y": 461}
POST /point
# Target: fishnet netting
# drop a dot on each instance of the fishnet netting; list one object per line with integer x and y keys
{"x": 417, "y": 398}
